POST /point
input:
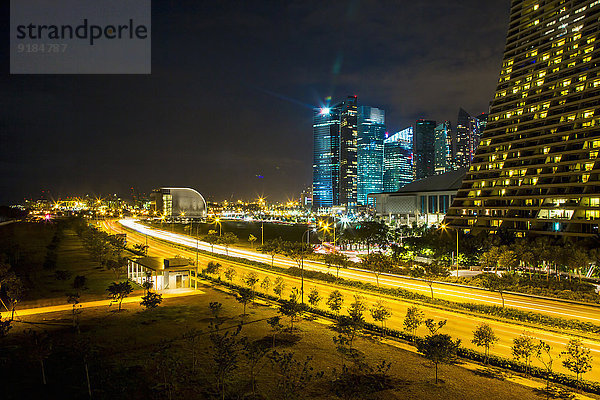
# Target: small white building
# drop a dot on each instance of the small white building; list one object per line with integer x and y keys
{"x": 424, "y": 201}
{"x": 165, "y": 273}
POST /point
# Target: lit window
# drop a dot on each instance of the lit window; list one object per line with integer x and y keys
{"x": 585, "y": 178}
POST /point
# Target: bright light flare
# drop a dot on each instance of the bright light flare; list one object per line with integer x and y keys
{"x": 325, "y": 110}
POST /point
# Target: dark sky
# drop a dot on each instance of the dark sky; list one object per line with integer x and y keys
{"x": 232, "y": 89}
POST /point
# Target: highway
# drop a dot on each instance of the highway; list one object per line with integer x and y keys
{"x": 459, "y": 325}
{"x": 552, "y": 307}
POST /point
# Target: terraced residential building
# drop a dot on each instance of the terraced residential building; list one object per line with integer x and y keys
{"x": 536, "y": 167}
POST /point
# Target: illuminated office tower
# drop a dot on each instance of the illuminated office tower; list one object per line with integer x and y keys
{"x": 348, "y": 152}
{"x": 536, "y": 167}
{"x": 443, "y": 148}
{"x": 466, "y": 139}
{"x": 424, "y": 148}
{"x": 398, "y": 160}
{"x": 334, "y": 155}
{"x": 371, "y": 132}
{"x": 326, "y": 166}
{"x": 481, "y": 122}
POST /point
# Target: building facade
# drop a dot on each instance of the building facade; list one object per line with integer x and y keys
{"x": 178, "y": 203}
{"x": 335, "y": 174}
{"x": 371, "y": 134}
{"x": 398, "y": 160}
{"x": 424, "y": 148}
{"x": 536, "y": 168}
{"x": 348, "y": 152}
{"x": 466, "y": 139}
{"x": 424, "y": 201}
{"x": 326, "y": 166}
{"x": 443, "y": 148}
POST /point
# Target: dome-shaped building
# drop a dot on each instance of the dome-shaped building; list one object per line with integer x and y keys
{"x": 179, "y": 202}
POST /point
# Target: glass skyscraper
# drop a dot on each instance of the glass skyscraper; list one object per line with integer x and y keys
{"x": 371, "y": 133}
{"x": 424, "y": 148}
{"x": 443, "y": 148}
{"x": 536, "y": 169}
{"x": 348, "y": 152}
{"x": 398, "y": 160}
{"x": 466, "y": 139}
{"x": 326, "y": 167}
{"x": 335, "y": 137}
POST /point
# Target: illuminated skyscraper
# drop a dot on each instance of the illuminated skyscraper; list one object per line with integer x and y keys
{"x": 398, "y": 160}
{"x": 466, "y": 139}
{"x": 348, "y": 152}
{"x": 443, "y": 148}
{"x": 536, "y": 167}
{"x": 424, "y": 148}
{"x": 326, "y": 166}
{"x": 371, "y": 132}
{"x": 334, "y": 156}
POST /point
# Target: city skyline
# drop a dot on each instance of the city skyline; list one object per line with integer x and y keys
{"x": 104, "y": 134}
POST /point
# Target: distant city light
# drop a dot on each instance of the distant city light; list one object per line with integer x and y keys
{"x": 325, "y": 110}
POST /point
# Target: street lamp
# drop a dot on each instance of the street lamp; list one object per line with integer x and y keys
{"x": 444, "y": 227}
{"x": 262, "y": 233}
{"x": 307, "y": 233}
{"x": 325, "y": 228}
{"x": 218, "y": 222}
{"x": 197, "y": 245}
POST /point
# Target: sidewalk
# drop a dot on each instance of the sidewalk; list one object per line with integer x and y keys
{"x": 169, "y": 293}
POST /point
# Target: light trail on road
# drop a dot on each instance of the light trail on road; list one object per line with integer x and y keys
{"x": 552, "y": 307}
{"x": 459, "y": 325}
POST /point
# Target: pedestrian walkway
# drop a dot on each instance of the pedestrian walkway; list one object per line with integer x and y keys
{"x": 169, "y": 293}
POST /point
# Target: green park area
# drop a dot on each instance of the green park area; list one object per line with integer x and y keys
{"x": 43, "y": 263}
{"x": 223, "y": 342}
{"x": 203, "y": 346}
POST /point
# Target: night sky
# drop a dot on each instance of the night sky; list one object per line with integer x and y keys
{"x": 232, "y": 90}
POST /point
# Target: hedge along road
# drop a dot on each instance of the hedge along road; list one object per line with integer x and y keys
{"x": 459, "y": 325}
{"x": 456, "y": 293}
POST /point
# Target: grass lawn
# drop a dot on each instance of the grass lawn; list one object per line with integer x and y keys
{"x": 73, "y": 257}
{"x": 136, "y": 351}
{"x": 42, "y": 286}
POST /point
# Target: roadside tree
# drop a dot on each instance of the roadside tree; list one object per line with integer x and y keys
{"x": 523, "y": 349}
{"x": 381, "y": 313}
{"x": 413, "y": 319}
{"x": 484, "y": 336}
{"x": 335, "y": 301}
{"x": 378, "y": 263}
{"x": 245, "y": 296}
{"x": 117, "y": 291}
{"x": 212, "y": 238}
{"x": 577, "y": 358}
{"x": 227, "y": 240}
{"x": 313, "y": 297}
{"x": 439, "y": 349}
